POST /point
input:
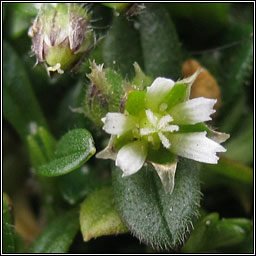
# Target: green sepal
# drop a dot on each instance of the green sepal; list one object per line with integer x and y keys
{"x": 135, "y": 102}
{"x": 176, "y": 95}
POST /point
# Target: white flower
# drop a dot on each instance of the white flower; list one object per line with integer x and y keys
{"x": 160, "y": 125}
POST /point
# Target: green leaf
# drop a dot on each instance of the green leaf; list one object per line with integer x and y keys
{"x": 20, "y": 17}
{"x": 225, "y": 234}
{"x": 211, "y": 14}
{"x": 76, "y": 185}
{"x": 8, "y": 226}
{"x": 153, "y": 216}
{"x": 122, "y": 47}
{"x": 41, "y": 145}
{"x": 28, "y": 9}
{"x": 58, "y": 235}
{"x": 233, "y": 116}
{"x": 20, "y": 106}
{"x": 240, "y": 146}
{"x": 73, "y": 150}
{"x": 214, "y": 235}
{"x": 117, "y": 6}
{"x": 67, "y": 117}
{"x": 236, "y": 63}
{"x": 135, "y": 102}
{"x": 98, "y": 215}
{"x": 160, "y": 45}
{"x": 232, "y": 170}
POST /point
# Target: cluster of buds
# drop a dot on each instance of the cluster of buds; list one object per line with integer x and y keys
{"x": 61, "y": 34}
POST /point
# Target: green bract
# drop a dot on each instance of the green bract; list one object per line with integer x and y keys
{"x": 61, "y": 33}
{"x": 159, "y": 124}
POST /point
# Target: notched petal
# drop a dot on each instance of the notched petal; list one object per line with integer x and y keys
{"x": 193, "y": 111}
{"x": 196, "y": 146}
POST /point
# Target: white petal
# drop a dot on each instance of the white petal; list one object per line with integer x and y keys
{"x": 151, "y": 117}
{"x": 193, "y": 111}
{"x": 189, "y": 81}
{"x": 131, "y": 157}
{"x": 157, "y": 91}
{"x": 164, "y": 121}
{"x": 117, "y": 123}
{"x": 146, "y": 131}
{"x": 171, "y": 128}
{"x": 166, "y": 143}
{"x": 196, "y": 146}
{"x": 166, "y": 174}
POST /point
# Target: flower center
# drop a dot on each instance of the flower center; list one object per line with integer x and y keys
{"x": 158, "y": 126}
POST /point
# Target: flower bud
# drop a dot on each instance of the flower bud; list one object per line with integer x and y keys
{"x": 60, "y": 34}
{"x": 104, "y": 93}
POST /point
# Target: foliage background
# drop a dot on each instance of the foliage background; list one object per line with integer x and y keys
{"x": 218, "y": 35}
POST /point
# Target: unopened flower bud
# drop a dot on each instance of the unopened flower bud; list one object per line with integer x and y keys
{"x": 61, "y": 34}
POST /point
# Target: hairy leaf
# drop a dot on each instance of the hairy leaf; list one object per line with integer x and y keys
{"x": 155, "y": 217}
{"x": 73, "y": 150}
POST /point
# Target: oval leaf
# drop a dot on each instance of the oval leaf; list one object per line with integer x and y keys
{"x": 160, "y": 43}
{"x": 58, "y": 236}
{"x": 8, "y": 226}
{"x": 72, "y": 151}
{"x": 122, "y": 47}
{"x": 98, "y": 215}
{"x": 155, "y": 217}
